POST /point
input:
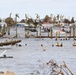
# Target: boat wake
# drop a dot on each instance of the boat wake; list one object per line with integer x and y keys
{"x": 5, "y": 47}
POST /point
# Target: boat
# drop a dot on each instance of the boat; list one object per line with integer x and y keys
{"x": 4, "y": 56}
{"x": 74, "y": 44}
{"x": 57, "y": 44}
{"x": 12, "y": 42}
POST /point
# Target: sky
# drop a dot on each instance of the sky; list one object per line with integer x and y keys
{"x": 41, "y": 7}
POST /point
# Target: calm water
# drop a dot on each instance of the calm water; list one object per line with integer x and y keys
{"x": 30, "y": 57}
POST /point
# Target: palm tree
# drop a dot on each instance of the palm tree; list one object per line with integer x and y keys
{"x": 37, "y": 21}
{"x": 10, "y": 15}
{"x": 37, "y": 16}
{"x": 16, "y": 16}
{"x": 26, "y": 17}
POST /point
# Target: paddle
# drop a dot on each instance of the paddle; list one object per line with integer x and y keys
{"x": 3, "y": 52}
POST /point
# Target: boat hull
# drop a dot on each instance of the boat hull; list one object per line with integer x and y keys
{"x": 7, "y": 57}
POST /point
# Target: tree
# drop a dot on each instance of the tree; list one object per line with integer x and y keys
{"x": 46, "y": 19}
{"x": 16, "y": 16}
{"x": 9, "y": 21}
{"x": 54, "y": 19}
{"x": 66, "y": 20}
{"x": 22, "y": 21}
{"x": 30, "y": 20}
{"x": 0, "y": 20}
{"x": 10, "y": 15}
{"x": 72, "y": 20}
{"x": 26, "y": 17}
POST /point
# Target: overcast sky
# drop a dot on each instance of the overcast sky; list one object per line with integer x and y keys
{"x": 42, "y": 7}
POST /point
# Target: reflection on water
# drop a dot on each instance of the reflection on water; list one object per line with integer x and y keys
{"x": 30, "y": 57}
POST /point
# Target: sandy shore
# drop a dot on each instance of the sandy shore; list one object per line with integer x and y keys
{"x": 7, "y": 73}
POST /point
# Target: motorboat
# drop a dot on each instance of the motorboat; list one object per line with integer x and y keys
{"x": 4, "y": 55}
{"x": 12, "y": 42}
{"x": 60, "y": 45}
{"x": 74, "y": 44}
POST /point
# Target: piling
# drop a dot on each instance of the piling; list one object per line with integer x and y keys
{"x": 8, "y": 30}
{"x": 40, "y": 32}
{"x": 56, "y": 35}
{"x": 37, "y": 34}
{"x": 51, "y": 32}
{"x": 26, "y": 34}
{"x": 66, "y": 36}
{"x": 16, "y": 32}
{"x": 70, "y": 31}
{"x": 0, "y": 28}
{"x": 59, "y": 34}
{"x": 74, "y": 32}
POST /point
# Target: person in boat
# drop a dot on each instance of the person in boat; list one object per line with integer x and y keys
{"x": 4, "y": 56}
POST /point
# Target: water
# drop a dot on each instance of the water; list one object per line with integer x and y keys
{"x": 30, "y": 57}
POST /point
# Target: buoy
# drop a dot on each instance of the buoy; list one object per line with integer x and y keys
{"x": 74, "y": 44}
{"x": 19, "y": 45}
{"x": 43, "y": 49}
{"x": 68, "y": 38}
{"x": 56, "y": 39}
{"x": 52, "y": 45}
{"x": 25, "y": 44}
{"x": 41, "y": 44}
{"x": 61, "y": 39}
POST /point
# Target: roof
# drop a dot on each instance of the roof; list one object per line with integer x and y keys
{"x": 22, "y": 24}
